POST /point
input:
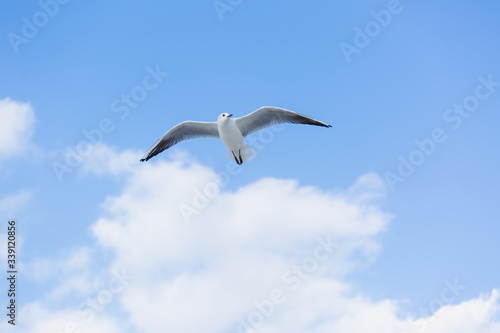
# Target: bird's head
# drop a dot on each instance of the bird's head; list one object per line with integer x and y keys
{"x": 223, "y": 117}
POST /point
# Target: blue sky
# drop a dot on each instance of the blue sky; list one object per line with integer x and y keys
{"x": 71, "y": 75}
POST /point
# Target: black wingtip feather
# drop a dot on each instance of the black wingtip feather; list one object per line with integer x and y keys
{"x": 320, "y": 124}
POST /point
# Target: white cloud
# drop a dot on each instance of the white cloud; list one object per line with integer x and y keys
{"x": 37, "y": 318}
{"x": 256, "y": 255}
{"x": 70, "y": 273}
{"x": 16, "y": 127}
{"x": 236, "y": 248}
{"x": 108, "y": 160}
{"x": 11, "y": 204}
{"x": 475, "y": 315}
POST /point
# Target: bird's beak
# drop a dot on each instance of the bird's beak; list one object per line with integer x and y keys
{"x": 229, "y": 116}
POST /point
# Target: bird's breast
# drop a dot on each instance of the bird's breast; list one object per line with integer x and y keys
{"x": 230, "y": 135}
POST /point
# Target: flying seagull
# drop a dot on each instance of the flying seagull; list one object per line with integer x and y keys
{"x": 231, "y": 131}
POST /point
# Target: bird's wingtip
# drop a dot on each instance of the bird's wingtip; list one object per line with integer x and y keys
{"x": 142, "y": 159}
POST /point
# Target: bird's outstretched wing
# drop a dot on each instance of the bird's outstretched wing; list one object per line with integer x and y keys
{"x": 183, "y": 131}
{"x": 267, "y": 116}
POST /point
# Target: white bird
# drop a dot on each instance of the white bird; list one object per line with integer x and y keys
{"x": 231, "y": 131}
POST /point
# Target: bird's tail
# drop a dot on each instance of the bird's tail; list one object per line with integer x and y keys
{"x": 248, "y": 153}
{"x": 245, "y": 155}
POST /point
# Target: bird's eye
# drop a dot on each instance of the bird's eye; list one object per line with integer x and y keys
{"x": 223, "y": 115}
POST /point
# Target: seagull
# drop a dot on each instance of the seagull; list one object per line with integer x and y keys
{"x": 231, "y": 131}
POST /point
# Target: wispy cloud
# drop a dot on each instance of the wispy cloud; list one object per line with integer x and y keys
{"x": 12, "y": 203}
{"x": 16, "y": 127}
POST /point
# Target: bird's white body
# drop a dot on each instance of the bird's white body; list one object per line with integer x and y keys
{"x": 229, "y": 133}
{"x": 233, "y": 139}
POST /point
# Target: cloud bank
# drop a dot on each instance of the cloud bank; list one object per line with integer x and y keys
{"x": 271, "y": 256}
